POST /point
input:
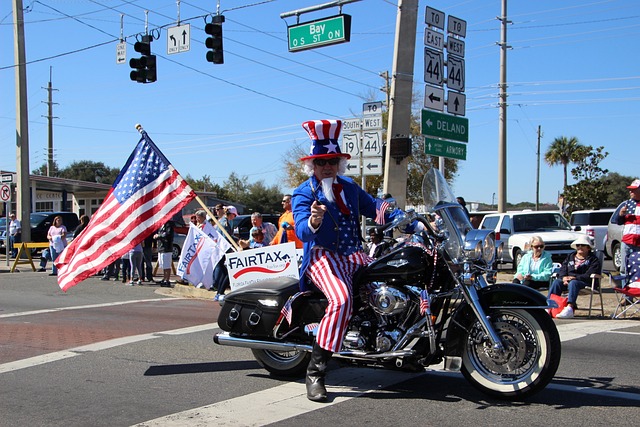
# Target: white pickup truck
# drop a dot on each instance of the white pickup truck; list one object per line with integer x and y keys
{"x": 515, "y": 229}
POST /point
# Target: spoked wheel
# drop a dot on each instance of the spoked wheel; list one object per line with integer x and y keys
{"x": 283, "y": 363}
{"x": 527, "y": 363}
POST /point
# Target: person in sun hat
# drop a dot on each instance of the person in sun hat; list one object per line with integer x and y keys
{"x": 327, "y": 209}
{"x": 628, "y": 215}
{"x": 575, "y": 273}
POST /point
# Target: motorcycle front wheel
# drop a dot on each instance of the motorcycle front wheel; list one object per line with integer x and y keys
{"x": 527, "y": 363}
{"x": 283, "y": 363}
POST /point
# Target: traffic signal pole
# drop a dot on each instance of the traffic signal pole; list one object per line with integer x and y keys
{"x": 399, "y": 126}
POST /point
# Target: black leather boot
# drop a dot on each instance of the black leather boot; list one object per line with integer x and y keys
{"x": 316, "y": 390}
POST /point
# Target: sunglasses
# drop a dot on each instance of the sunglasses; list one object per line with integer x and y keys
{"x": 321, "y": 162}
{"x": 538, "y": 246}
{"x": 581, "y": 245}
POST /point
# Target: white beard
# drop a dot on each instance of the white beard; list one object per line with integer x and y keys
{"x": 327, "y": 189}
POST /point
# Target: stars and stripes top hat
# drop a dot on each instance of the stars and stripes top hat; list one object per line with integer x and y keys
{"x": 324, "y": 139}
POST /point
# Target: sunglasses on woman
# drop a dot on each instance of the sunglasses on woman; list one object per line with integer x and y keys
{"x": 321, "y": 162}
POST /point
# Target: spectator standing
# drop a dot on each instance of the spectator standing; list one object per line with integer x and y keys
{"x": 15, "y": 233}
{"x": 135, "y": 259}
{"x": 57, "y": 236}
{"x": 629, "y": 217}
{"x": 286, "y": 230}
{"x": 84, "y": 221}
{"x": 464, "y": 206}
{"x": 575, "y": 273}
{"x": 535, "y": 267}
{"x": 125, "y": 263}
{"x": 164, "y": 238}
{"x": 220, "y": 272}
{"x": 147, "y": 259}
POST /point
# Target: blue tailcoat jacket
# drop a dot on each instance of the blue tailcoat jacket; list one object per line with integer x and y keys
{"x": 327, "y": 236}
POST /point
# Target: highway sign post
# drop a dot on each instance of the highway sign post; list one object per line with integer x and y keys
{"x": 455, "y": 73}
{"x": 433, "y": 66}
{"x": 321, "y": 32}
{"x": 444, "y": 126}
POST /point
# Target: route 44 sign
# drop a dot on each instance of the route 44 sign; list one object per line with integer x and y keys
{"x": 433, "y": 66}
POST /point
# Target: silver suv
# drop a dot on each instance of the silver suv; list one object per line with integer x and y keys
{"x": 515, "y": 229}
{"x": 614, "y": 238}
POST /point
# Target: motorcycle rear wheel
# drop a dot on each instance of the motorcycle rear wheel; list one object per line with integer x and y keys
{"x": 527, "y": 364}
{"x": 283, "y": 363}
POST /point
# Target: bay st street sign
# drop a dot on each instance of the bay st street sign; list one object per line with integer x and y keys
{"x": 321, "y": 32}
{"x": 444, "y": 126}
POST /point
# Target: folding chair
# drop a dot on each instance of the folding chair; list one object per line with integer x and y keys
{"x": 595, "y": 287}
{"x": 628, "y": 296}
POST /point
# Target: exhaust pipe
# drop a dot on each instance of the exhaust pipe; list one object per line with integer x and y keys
{"x": 224, "y": 338}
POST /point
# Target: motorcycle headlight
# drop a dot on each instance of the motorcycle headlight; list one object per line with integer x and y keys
{"x": 488, "y": 249}
{"x": 473, "y": 250}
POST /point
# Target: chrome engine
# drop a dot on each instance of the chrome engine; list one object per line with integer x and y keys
{"x": 377, "y": 326}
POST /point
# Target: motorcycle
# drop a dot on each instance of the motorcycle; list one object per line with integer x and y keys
{"x": 431, "y": 300}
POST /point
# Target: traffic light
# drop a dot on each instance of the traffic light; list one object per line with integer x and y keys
{"x": 214, "y": 29}
{"x": 145, "y": 66}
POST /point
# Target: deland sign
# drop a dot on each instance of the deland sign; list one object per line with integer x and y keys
{"x": 322, "y": 32}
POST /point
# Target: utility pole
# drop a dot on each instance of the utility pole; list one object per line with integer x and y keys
{"x": 387, "y": 86}
{"x": 50, "y": 118}
{"x": 502, "y": 130}
{"x": 399, "y": 105}
{"x": 538, "y": 172}
{"x": 22, "y": 122}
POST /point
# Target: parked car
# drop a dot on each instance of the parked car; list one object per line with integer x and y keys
{"x": 3, "y": 234}
{"x": 515, "y": 229}
{"x": 614, "y": 238}
{"x": 594, "y": 223}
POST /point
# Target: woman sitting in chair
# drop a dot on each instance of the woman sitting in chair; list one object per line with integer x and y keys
{"x": 575, "y": 273}
{"x": 535, "y": 267}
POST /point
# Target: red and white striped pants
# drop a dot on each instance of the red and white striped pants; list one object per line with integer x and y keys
{"x": 333, "y": 275}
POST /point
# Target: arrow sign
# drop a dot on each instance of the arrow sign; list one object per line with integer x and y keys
{"x": 440, "y": 148}
{"x": 373, "y": 166}
{"x": 445, "y": 126}
{"x": 456, "y": 103}
{"x": 178, "y": 39}
{"x": 433, "y": 98}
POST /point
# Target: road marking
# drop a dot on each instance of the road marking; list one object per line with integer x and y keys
{"x": 289, "y": 400}
{"x": 103, "y": 345}
{"x": 81, "y": 307}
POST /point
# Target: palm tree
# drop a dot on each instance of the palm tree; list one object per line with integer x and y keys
{"x": 563, "y": 151}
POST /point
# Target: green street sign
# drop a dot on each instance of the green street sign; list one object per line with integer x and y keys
{"x": 322, "y": 32}
{"x": 440, "y": 148}
{"x": 444, "y": 126}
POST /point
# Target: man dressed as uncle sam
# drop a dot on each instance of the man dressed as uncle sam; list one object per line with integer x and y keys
{"x": 327, "y": 209}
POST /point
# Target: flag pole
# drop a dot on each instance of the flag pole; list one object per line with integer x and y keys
{"x": 212, "y": 216}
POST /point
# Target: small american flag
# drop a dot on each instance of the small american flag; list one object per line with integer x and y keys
{"x": 287, "y": 310}
{"x": 380, "y": 211}
{"x": 147, "y": 194}
{"x": 425, "y": 303}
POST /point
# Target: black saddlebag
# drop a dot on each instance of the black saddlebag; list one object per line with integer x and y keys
{"x": 255, "y": 308}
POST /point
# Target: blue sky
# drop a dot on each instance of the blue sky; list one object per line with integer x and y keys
{"x": 573, "y": 70}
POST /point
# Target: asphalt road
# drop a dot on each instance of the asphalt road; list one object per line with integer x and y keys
{"x": 108, "y": 354}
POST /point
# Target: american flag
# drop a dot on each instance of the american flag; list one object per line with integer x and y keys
{"x": 380, "y": 211}
{"x": 287, "y": 310}
{"x": 425, "y": 305}
{"x": 147, "y": 193}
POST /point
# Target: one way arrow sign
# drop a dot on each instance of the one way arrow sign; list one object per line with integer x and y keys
{"x": 433, "y": 98}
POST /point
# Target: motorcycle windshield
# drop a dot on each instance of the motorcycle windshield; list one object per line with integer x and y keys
{"x": 447, "y": 214}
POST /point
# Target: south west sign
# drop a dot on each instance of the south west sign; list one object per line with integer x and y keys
{"x": 444, "y": 126}
{"x": 322, "y": 32}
